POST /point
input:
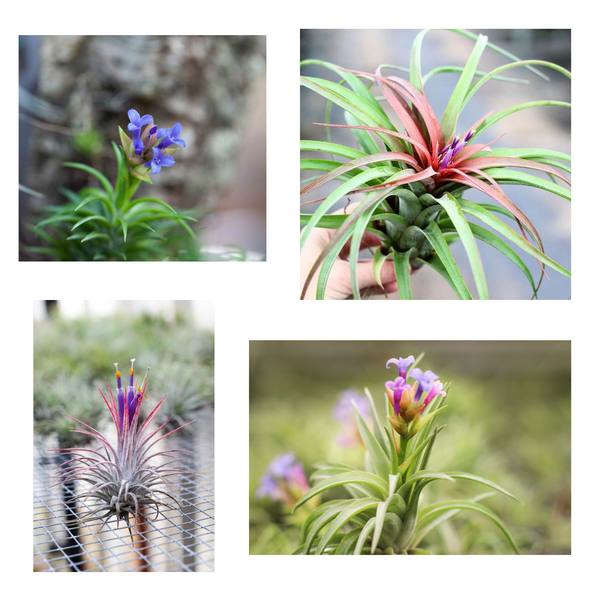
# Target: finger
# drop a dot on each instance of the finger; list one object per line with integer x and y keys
{"x": 366, "y": 277}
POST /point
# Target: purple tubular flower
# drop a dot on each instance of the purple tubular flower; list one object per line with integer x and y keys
{"x": 402, "y": 364}
{"x": 425, "y": 381}
{"x": 436, "y": 390}
{"x": 120, "y": 396}
{"x": 398, "y": 386}
{"x": 159, "y": 160}
{"x": 135, "y": 127}
{"x": 171, "y": 136}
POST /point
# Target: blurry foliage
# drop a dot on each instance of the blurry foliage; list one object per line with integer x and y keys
{"x": 508, "y": 416}
{"x": 72, "y": 357}
{"x": 89, "y": 143}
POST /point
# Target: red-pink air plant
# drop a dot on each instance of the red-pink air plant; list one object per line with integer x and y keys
{"x": 439, "y": 164}
{"x": 121, "y": 480}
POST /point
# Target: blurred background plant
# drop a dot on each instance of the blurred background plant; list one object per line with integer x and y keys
{"x": 75, "y": 90}
{"x": 508, "y": 413}
{"x": 74, "y": 355}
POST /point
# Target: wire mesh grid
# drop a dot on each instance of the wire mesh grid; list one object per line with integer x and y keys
{"x": 177, "y": 540}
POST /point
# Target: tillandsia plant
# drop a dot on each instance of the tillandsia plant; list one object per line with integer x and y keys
{"x": 414, "y": 179}
{"x": 107, "y": 223}
{"x": 383, "y": 514}
{"x": 121, "y": 479}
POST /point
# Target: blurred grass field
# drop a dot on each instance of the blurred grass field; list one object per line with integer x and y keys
{"x": 508, "y": 417}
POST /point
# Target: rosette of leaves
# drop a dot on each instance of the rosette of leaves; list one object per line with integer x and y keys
{"x": 106, "y": 223}
{"x": 383, "y": 514}
{"x": 413, "y": 179}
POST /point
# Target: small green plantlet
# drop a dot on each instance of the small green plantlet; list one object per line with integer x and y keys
{"x": 413, "y": 178}
{"x": 107, "y": 223}
{"x": 383, "y": 514}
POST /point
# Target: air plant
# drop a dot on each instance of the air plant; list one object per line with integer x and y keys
{"x": 413, "y": 179}
{"x": 384, "y": 513}
{"x": 121, "y": 480}
{"x": 107, "y": 223}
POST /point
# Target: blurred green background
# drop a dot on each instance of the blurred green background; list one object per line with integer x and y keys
{"x": 508, "y": 416}
{"x": 74, "y": 355}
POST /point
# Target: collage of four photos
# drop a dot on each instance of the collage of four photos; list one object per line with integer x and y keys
{"x": 435, "y": 166}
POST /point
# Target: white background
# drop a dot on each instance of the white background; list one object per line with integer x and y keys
{"x": 260, "y": 301}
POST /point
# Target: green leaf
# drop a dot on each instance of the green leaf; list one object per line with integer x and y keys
{"x": 508, "y": 176}
{"x": 467, "y": 505}
{"x": 336, "y": 195}
{"x": 436, "y": 239}
{"x": 322, "y": 519}
{"x": 471, "y": 477}
{"x": 501, "y": 227}
{"x": 452, "y": 208}
{"x": 124, "y": 227}
{"x": 364, "y": 535}
{"x": 357, "y": 506}
{"x": 346, "y": 546}
{"x": 334, "y": 149}
{"x": 155, "y": 200}
{"x": 375, "y": 450}
{"x": 415, "y": 453}
{"x": 424, "y": 477}
{"x": 455, "y": 104}
{"x": 101, "y": 178}
{"x": 363, "y": 110}
{"x": 378, "y": 430}
{"x": 92, "y": 218}
{"x": 427, "y": 523}
{"x": 95, "y": 235}
{"x": 402, "y": 269}
{"x": 356, "y": 478}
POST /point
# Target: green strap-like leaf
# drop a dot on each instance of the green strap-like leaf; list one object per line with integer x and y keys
{"x": 427, "y": 523}
{"x": 328, "y": 147}
{"x": 423, "y": 477}
{"x": 502, "y": 228}
{"x": 461, "y": 224}
{"x": 346, "y": 546}
{"x": 357, "y": 506}
{"x": 375, "y": 483}
{"x": 455, "y": 104}
{"x": 483, "y": 481}
{"x": 402, "y": 270}
{"x": 364, "y": 535}
{"x": 436, "y": 239}
{"x": 466, "y": 505}
{"x": 92, "y": 218}
{"x": 508, "y": 176}
{"x": 375, "y": 450}
{"x": 99, "y": 176}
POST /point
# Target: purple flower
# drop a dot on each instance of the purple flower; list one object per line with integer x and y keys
{"x": 159, "y": 160}
{"x": 171, "y": 136}
{"x": 425, "y": 381}
{"x": 402, "y": 364}
{"x": 135, "y": 127}
{"x": 449, "y": 152}
{"x": 397, "y": 386}
{"x": 284, "y": 480}
{"x": 132, "y": 398}
{"x": 436, "y": 390}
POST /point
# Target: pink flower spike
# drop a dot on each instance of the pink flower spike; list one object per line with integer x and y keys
{"x": 436, "y": 390}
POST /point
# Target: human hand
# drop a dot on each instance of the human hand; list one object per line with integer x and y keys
{"x": 339, "y": 284}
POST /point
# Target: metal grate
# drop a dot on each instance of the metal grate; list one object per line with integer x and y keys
{"x": 178, "y": 540}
